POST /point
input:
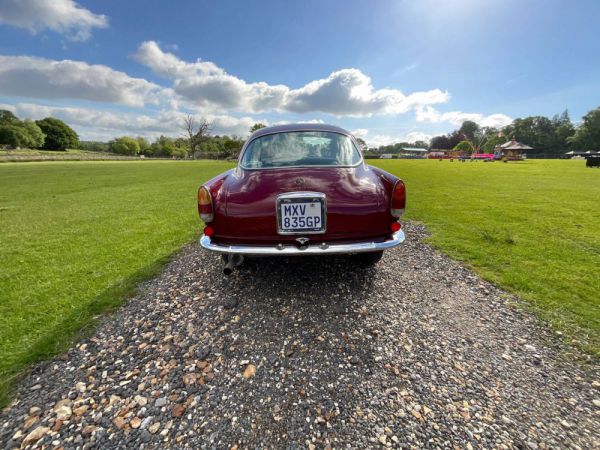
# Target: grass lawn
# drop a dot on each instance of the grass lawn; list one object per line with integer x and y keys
{"x": 531, "y": 227}
{"x": 78, "y": 236}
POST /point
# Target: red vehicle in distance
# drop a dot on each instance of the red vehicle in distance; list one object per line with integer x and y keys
{"x": 301, "y": 189}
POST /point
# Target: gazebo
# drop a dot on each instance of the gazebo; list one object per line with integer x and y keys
{"x": 511, "y": 151}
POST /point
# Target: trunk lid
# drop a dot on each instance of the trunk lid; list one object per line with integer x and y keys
{"x": 355, "y": 202}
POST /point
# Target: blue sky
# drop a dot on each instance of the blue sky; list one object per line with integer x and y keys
{"x": 387, "y": 70}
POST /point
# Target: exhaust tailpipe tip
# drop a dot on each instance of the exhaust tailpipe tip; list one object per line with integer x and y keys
{"x": 231, "y": 262}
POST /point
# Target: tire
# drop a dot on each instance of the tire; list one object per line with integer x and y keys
{"x": 369, "y": 259}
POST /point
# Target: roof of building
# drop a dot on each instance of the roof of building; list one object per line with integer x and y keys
{"x": 515, "y": 145}
{"x": 412, "y": 149}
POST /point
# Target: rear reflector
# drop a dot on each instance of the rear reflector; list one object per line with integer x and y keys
{"x": 205, "y": 206}
{"x": 395, "y": 226}
{"x": 398, "y": 201}
{"x": 209, "y": 231}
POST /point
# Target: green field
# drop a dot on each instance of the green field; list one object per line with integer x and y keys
{"x": 531, "y": 227}
{"x": 78, "y": 236}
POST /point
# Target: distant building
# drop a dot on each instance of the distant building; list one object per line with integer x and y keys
{"x": 445, "y": 154}
{"x": 511, "y": 151}
{"x": 573, "y": 154}
{"x": 412, "y": 152}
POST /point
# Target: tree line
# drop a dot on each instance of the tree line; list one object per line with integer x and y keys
{"x": 555, "y": 135}
{"x": 48, "y": 133}
{"x": 197, "y": 140}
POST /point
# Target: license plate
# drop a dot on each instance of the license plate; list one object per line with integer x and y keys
{"x": 301, "y": 214}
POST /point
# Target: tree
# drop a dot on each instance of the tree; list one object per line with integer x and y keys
{"x": 13, "y": 136}
{"x": 542, "y": 133}
{"x": 464, "y": 146}
{"x": 468, "y": 130}
{"x": 493, "y": 141}
{"x": 587, "y": 135}
{"x": 196, "y": 132}
{"x": 36, "y": 135}
{"x": 440, "y": 143}
{"x": 59, "y": 136}
{"x": 363, "y": 145}
{"x": 8, "y": 118}
{"x": 231, "y": 147}
{"x": 17, "y": 133}
{"x": 144, "y": 145}
{"x": 446, "y": 142}
{"x": 256, "y": 127}
{"x": 167, "y": 146}
{"x": 125, "y": 145}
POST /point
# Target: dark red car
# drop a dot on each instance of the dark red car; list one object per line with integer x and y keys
{"x": 301, "y": 189}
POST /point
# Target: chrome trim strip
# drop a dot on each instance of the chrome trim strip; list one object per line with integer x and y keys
{"x": 317, "y": 249}
{"x": 302, "y": 195}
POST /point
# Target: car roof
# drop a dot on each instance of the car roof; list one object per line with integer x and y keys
{"x": 298, "y": 127}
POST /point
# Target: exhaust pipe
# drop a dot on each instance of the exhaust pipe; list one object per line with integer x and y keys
{"x": 231, "y": 262}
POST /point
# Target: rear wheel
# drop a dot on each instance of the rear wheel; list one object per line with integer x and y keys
{"x": 369, "y": 259}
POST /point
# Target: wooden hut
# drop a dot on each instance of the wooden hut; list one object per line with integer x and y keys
{"x": 511, "y": 151}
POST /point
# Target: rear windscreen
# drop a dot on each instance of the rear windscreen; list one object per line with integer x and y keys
{"x": 300, "y": 148}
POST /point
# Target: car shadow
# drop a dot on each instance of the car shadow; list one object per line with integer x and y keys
{"x": 308, "y": 281}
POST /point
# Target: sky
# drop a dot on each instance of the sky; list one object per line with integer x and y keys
{"x": 387, "y": 70}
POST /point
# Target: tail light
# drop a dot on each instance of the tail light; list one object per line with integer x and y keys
{"x": 398, "y": 199}
{"x": 205, "y": 206}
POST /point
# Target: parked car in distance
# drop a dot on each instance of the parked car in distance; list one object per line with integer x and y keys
{"x": 301, "y": 189}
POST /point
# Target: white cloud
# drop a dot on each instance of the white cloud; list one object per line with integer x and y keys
{"x": 384, "y": 139}
{"x": 495, "y": 120}
{"x": 28, "y": 76}
{"x": 206, "y": 85}
{"x": 360, "y": 133}
{"x": 415, "y": 136}
{"x": 347, "y": 92}
{"x": 62, "y": 16}
{"x": 168, "y": 65}
{"x": 380, "y": 139}
{"x": 430, "y": 114}
{"x": 99, "y": 124}
{"x": 285, "y": 122}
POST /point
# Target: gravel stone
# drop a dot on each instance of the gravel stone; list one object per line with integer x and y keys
{"x": 415, "y": 352}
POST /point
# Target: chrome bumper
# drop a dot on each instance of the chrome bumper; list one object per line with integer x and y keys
{"x": 317, "y": 249}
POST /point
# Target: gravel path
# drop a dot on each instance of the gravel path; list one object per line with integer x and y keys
{"x": 312, "y": 353}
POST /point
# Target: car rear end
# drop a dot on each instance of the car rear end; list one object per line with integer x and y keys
{"x": 303, "y": 209}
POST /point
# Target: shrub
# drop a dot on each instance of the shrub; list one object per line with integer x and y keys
{"x": 94, "y": 146}
{"x": 125, "y": 145}
{"x": 59, "y": 136}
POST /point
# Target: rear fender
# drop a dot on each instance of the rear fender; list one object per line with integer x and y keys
{"x": 388, "y": 181}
